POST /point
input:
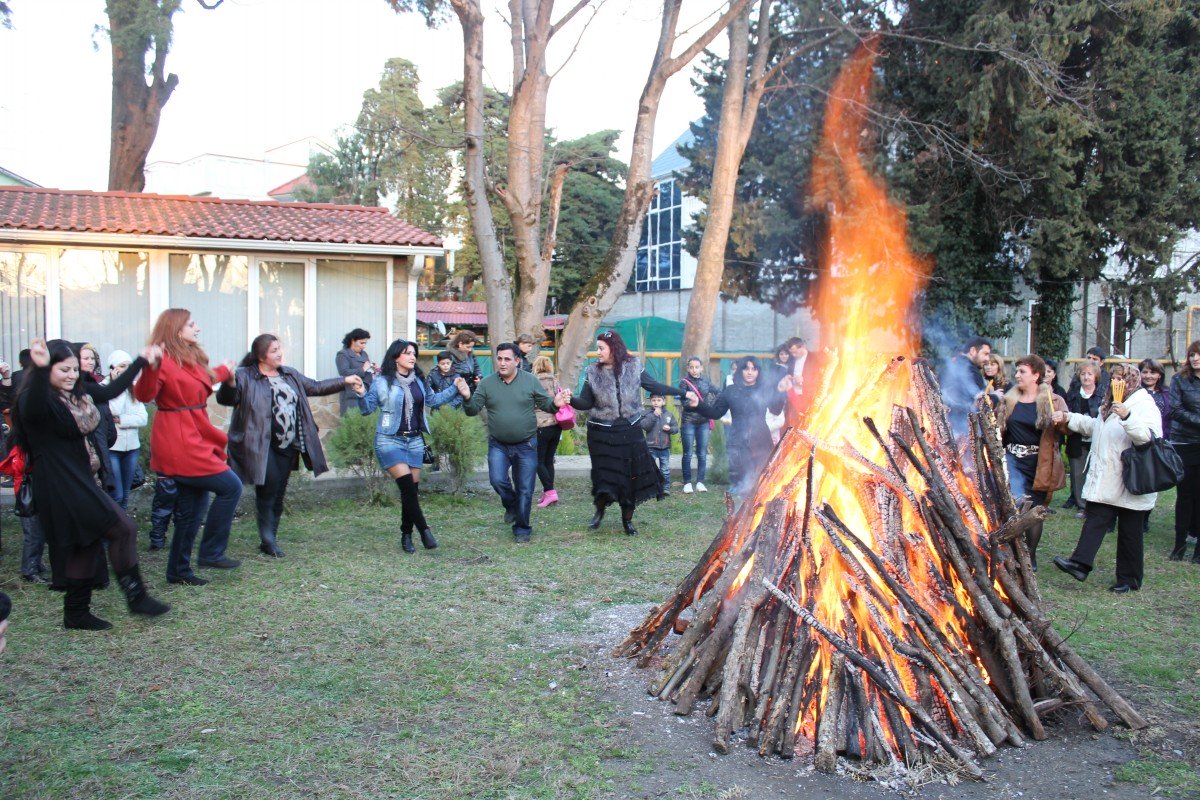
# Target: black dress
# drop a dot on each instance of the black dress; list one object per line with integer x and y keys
{"x": 623, "y": 471}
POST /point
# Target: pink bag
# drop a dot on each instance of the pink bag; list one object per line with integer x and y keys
{"x": 565, "y": 416}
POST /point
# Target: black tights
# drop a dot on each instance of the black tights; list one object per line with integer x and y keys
{"x": 122, "y": 550}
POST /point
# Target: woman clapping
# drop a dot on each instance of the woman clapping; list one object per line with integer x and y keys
{"x": 272, "y": 428}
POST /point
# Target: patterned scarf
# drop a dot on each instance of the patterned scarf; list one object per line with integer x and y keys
{"x": 87, "y": 419}
{"x": 405, "y": 382}
{"x": 1125, "y": 374}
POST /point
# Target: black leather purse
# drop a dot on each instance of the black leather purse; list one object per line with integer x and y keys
{"x": 23, "y": 505}
{"x": 1151, "y": 467}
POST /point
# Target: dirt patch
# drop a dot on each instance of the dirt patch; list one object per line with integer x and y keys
{"x": 674, "y": 755}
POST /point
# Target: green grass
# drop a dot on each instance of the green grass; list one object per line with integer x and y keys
{"x": 349, "y": 669}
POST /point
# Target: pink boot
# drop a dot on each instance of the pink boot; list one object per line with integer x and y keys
{"x": 549, "y": 498}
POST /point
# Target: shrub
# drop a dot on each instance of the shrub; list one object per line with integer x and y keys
{"x": 352, "y": 447}
{"x": 718, "y": 462}
{"x": 460, "y": 441}
{"x": 566, "y": 444}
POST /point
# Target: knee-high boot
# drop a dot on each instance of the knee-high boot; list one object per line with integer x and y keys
{"x": 627, "y": 520}
{"x": 410, "y": 497}
{"x": 406, "y": 520}
{"x": 77, "y": 612}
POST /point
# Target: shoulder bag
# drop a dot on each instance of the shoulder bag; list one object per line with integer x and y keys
{"x": 1151, "y": 467}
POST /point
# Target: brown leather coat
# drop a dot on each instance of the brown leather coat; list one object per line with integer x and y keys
{"x": 1050, "y": 475}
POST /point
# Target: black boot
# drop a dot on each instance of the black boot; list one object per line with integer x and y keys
{"x": 403, "y": 483}
{"x": 267, "y": 525}
{"x": 140, "y": 602}
{"x": 598, "y": 517}
{"x": 1032, "y": 537}
{"x": 427, "y": 540}
{"x": 77, "y": 613}
{"x": 1178, "y": 554}
{"x": 410, "y": 502}
{"x": 406, "y": 542}
{"x": 627, "y": 521}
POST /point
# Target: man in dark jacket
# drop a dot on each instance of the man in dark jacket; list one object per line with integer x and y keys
{"x": 962, "y": 380}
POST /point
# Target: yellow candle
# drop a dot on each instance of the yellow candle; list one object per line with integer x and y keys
{"x": 1118, "y": 391}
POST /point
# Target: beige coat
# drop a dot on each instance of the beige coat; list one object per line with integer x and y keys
{"x": 1110, "y": 438}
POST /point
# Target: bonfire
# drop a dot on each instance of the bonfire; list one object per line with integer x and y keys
{"x": 873, "y": 597}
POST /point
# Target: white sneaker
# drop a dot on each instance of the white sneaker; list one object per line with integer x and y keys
{"x": 687, "y": 488}
{"x": 700, "y": 487}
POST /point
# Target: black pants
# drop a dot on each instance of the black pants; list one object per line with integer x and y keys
{"x": 1130, "y": 532}
{"x": 1187, "y": 507}
{"x": 268, "y": 496}
{"x": 547, "y": 446}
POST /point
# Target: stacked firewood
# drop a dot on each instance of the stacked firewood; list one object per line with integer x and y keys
{"x": 911, "y": 634}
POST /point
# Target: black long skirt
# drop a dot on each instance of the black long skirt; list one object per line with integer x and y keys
{"x": 623, "y": 471}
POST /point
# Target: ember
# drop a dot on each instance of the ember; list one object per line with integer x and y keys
{"x": 872, "y": 597}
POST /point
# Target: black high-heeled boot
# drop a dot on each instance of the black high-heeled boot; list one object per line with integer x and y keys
{"x": 406, "y": 522}
{"x": 627, "y": 521}
{"x": 598, "y": 517}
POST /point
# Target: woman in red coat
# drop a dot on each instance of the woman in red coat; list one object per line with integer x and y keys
{"x": 186, "y": 447}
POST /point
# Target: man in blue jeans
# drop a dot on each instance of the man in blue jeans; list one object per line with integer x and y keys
{"x": 510, "y": 396}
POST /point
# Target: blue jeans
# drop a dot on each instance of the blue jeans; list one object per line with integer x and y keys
{"x": 123, "y": 464}
{"x": 695, "y": 437}
{"x": 521, "y": 460}
{"x": 189, "y": 507}
{"x": 663, "y": 456}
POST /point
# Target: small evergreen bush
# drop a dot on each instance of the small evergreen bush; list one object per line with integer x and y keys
{"x": 460, "y": 441}
{"x": 352, "y": 447}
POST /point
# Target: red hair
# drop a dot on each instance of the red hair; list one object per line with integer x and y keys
{"x": 166, "y": 335}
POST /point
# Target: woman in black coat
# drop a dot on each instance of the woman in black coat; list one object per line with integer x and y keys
{"x": 1185, "y": 434}
{"x": 748, "y": 399}
{"x": 272, "y": 428}
{"x": 58, "y": 425}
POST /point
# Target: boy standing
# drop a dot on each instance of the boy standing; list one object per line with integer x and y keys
{"x": 659, "y": 424}
{"x": 443, "y": 376}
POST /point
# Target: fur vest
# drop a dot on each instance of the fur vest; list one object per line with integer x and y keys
{"x": 613, "y": 401}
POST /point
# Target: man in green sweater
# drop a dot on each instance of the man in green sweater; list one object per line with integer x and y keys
{"x": 510, "y": 397}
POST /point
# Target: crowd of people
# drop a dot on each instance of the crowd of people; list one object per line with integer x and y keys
{"x": 75, "y": 441}
{"x": 1104, "y": 412}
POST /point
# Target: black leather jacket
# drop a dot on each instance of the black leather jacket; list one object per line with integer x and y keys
{"x": 1185, "y": 410}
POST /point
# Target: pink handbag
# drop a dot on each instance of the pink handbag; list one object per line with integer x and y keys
{"x": 565, "y": 416}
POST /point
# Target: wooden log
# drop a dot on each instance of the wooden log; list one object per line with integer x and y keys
{"x": 827, "y": 726}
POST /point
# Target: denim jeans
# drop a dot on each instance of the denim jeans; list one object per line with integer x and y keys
{"x": 123, "y": 464}
{"x": 33, "y": 546}
{"x": 163, "y": 508}
{"x": 695, "y": 437}
{"x": 520, "y": 460}
{"x": 663, "y": 456}
{"x": 189, "y": 505}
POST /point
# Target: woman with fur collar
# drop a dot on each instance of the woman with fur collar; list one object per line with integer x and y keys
{"x": 1128, "y": 417}
{"x": 623, "y": 471}
{"x": 1032, "y": 439}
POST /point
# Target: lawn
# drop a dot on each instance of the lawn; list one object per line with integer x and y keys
{"x": 349, "y": 669}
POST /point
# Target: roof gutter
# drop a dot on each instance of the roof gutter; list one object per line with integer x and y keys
{"x": 158, "y": 242}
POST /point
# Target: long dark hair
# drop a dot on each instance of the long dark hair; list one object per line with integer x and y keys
{"x": 620, "y": 353}
{"x": 740, "y": 365}
{"x": 258, "y": 349}
{"x": 60, "y": 350}
{"x": 387, "y": 368}
{"x": 1186, "y": 370}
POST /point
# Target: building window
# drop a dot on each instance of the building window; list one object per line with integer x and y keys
{"x": 657, "y": 266}
{"x": 281, "y": 305}
{"x": 22, "y": 302}
{"x": 1112, "y": 333}
{"x": 214, "y": 287}
{"x": 105, "y": 299}
{"x": 350, "y": 294}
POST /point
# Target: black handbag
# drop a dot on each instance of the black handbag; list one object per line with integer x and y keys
{"x": 23, "y": 505}
{"x": 428, "y": 457}
{"x": 1151, "y": 467}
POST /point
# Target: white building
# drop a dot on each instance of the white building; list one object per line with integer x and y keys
{"x": 235, "y": 177}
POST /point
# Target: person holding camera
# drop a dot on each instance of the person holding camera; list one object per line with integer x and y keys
{"x": 272, "y": 428}
{"x": 404, "y": 399}
{"x": 352, "y": 359}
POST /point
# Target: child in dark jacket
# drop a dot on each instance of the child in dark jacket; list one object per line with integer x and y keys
{"x": 659, "y": 424}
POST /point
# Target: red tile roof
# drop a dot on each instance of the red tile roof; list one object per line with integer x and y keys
{"x": 303, "y": 181}
{"x": 470, "y": 312}
{"x": 203, "y": 217}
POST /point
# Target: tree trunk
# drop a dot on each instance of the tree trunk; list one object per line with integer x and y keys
{"x": 702, "y": 308}
{"x": 497, "y": 286}
{"x": 602, "y": 292}
{"x": 137, "y": 105}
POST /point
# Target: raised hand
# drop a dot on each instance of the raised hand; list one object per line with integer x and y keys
{"x": 38, "y": 353}
{"x": 355, "y": 383}
{"x": 562, "y": 398}
{"x": 462, "y": 387}
{"x": 785, "y": 384}
{"x": 152, "y": 353}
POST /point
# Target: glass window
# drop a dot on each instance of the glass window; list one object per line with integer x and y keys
{"x": 660, "y": 242}
{"x": 105, "y": 299}
{"x": 350, "y": 294}
{"x": 281, "y": 306}
{"x": 213, "y": 286}
{"x": 22, "y": 302}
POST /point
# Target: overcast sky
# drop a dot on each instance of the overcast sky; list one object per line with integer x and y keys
{"x": 255, "y": 74}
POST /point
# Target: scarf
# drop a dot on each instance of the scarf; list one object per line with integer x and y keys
{"x": 405, "y": 383}
{"x": 1121, "y": 373}
{"x": 87, "y": 419}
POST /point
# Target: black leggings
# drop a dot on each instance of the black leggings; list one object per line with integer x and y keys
{"x": 122, "y": 550}
{"x": 547, "y": 446}
{"x": 268, "y": 496}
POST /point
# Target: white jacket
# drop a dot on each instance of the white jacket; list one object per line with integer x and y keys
{"x": 1110, "y": 438}
{"x": 132, "y": 413}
